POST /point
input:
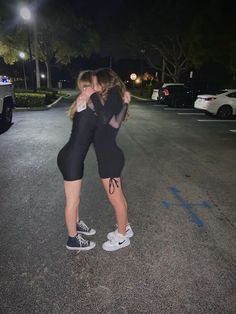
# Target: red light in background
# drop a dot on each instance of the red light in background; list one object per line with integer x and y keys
{"x": 166, "y": 92}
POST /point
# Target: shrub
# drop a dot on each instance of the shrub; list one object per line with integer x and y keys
{"x": 30, "y": 99}
{"x": 40, "y": 98}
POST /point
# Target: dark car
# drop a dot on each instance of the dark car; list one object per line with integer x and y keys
{"x": 183, "y": 95}
{"x": 172, "y": 94}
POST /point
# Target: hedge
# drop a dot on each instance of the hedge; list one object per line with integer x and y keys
{"x": 30, "y": 100}
{"x": 26, "y": 99}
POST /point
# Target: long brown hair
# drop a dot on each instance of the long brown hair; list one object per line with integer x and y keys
{"x": 108, "y": 79}
{"x": 84, "y": 80}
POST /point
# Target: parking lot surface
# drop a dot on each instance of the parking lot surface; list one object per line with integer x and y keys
{"x": 179, "y": 179}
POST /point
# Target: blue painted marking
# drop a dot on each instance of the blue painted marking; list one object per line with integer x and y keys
{"x": 185, "y": 205}
{"x": 166, "y": 204}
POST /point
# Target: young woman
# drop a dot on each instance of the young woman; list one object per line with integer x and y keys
{"x": 71, "y": 161}
{"x": 71, "y": 164}
{"x": 108, "y": 95}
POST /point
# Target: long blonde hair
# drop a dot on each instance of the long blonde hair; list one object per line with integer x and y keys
{"x": 84, "y": 80}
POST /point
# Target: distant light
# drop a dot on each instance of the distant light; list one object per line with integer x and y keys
{"x": 25, "y": 13}
{"x": 43, "y": 75}
{"x": 4, "y": 79}
{"x": 22, "y": 55}
{"x": 133, "y": 76}
{"x": 138, "y": 80}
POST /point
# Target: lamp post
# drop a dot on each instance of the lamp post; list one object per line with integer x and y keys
{"x": 43, "y": 77}
{"x": 26, "y": 16}
{"x": 142, "y": 51}
{"x": 22, "y": 56}
{"x": 36, "y": 54}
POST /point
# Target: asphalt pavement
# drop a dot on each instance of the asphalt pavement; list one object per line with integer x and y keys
{"x": 179, "y": 180}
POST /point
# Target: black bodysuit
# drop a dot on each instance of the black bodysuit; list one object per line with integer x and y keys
{"x": 109, "y": 156}
{"x": 70, "y": 159}
{"x": 100, "y": 127}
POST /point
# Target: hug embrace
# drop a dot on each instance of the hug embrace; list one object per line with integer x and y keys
{"x": 97, "y": 115}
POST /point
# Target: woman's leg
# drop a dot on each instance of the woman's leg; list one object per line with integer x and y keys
{"x": 72, "y": 192}
{"x": 118, "y": 201}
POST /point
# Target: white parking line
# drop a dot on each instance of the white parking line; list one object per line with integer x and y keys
{"x": 205, "y": 120}
{"x": 191, "y": 113}
{"x": 177, "y": 109}
{"x": 159, "y": 106}
{"x": 233, "y": 131}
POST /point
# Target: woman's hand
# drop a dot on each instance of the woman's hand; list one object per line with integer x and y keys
{"x": 82, "y": 99}
{"x": 88, "y": 91}
{"x": 127, "y": 97}
{"x": 85, "y": 95}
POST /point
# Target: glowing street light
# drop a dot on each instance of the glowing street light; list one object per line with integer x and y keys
{"x": 133, "y": 76}
{"x": 43, "y": 76}
{"x": 25, "y": 13}
{"x": 22, "y": 56}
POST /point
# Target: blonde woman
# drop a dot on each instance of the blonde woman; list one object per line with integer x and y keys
{"x": 70, "y": 161}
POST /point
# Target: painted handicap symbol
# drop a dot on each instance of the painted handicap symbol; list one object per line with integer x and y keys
{"x": 187, "y": 206}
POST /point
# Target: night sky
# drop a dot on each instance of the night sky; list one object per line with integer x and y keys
{"x": 103, "y": 13}
{"x": 112, "y": 21}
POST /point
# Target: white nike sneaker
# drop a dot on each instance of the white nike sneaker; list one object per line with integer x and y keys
{"x": 118, "y": 242}
{"x": 129, "y": 233}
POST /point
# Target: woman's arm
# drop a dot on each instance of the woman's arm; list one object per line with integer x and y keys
{"x": 112, "y": 106}
{"x": 116, "y": 121}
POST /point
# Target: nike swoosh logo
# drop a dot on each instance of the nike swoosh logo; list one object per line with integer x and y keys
{"x": 121, "y": 242}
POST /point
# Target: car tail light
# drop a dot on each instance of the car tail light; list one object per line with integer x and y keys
{"x": 166, "y": 92}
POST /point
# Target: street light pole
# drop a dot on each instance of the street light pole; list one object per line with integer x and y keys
{"x": 142, "y": 51}
{"x": 31, "y": 60}
{"x": 35, "y": 26}
{"x": 26, "y": 87}
{"x": 163, "y": 70}
{"x": 36, "y": 56}
{"x": 26, "y": 16}
{"x": 22, "y": 56}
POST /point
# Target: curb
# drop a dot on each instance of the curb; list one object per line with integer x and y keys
{"x": 54, "y": 103}
{"x": 39, "y": 108}
{"x": 140, "y": 98}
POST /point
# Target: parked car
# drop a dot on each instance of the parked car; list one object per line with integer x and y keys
{"x": 182, "y": 95}
{"x": 221, "y": 103}
{"x": 164, "y": 89}
{"x": 7, "y": 101}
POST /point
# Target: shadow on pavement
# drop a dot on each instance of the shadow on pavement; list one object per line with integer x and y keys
{"x": 5, "y": 127}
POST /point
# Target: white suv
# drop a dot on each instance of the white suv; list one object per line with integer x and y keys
{"x": 7, "y": 101}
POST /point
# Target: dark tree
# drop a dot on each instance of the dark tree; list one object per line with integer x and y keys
{"x": 63, "y": 34}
